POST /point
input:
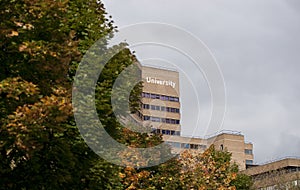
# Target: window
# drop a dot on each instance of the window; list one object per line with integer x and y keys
{"x": 185, "y": 145}
{"x": 163, "y": 108}
{"x": 194, "y": 146}
{"x": 146, "y": 118}
{"x": 249, "y": 162}
{"x": 177, "y": 145}
{"x": 163, "y": 132}
{"x": 177, "y": 122}
{"x": 155, "y": 119}
{"x": 248, "y": 151}
{"x": 153, "y": 96}
{"x": 157, "y": 108}
{"x": 152, "y": 107}
{"x": 177, "y": 133}
{"x": 146, "y": 106}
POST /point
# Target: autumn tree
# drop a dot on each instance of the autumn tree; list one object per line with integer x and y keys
{"x": 42, "y": 43}
{"x": 209, "y": 170}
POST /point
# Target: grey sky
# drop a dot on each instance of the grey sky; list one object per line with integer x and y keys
{"x": 257, "y": 46}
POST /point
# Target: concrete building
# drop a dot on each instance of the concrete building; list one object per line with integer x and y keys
{"x": 283, "y": 174}
{"x": 160, "y": 109}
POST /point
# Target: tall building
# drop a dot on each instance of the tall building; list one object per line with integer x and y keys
{"x": 160, "y": 109}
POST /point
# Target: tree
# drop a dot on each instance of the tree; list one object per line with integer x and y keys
{"x": 209, "y": 170}
{"x": 42, "y": 43}
{"x": 243, "y": 181}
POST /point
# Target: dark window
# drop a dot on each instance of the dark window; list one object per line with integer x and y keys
{"x": 248, "y": 151}
{"x": 177, "y": 122}
{"x": 163, "y": 132}
{"x": 163, "y": 108}
{"x": 147, "y": 95}
{"x": 153, "y": 96}
{"x": 157, "y": 96}
{"x": 168, "y": 120}
{"x": 172, "y": 132}
{"x": 155, "y": 119}
{"x": 185, "y": 145}
{"x": 176, "y": 99}
{"x": 168, "y": 132}
{"x": 146, "y": 118}
{"x": 152, "y": 107}
{"x": 158, "y": 131}
{"x": 194, "y": 146}
{"x": 177, "y": 110}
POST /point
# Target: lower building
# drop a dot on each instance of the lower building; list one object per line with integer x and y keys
{"x": 283, "y": 174}
{"x": 232, "y": 141}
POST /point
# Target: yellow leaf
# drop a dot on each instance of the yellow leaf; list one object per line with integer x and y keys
{"x": 13, "y": 33}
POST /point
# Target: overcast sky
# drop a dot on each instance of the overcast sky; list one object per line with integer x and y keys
{"x": 257, "y": 46}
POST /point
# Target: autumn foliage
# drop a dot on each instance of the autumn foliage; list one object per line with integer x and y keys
{"x": 42, "y": 43}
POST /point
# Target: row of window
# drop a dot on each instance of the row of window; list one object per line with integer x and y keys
{"x": 287, "y": 185}
{"x": 161, "y": 120}
{"x": 186, "y": 145}
{"x": 166, "y": 132}
{"x": 160, "y": 108}
{"x": 160, "y": 97}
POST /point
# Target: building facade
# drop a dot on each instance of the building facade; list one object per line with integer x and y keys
{"x": 283, "y": 174}
{"x": 160, "y": 109}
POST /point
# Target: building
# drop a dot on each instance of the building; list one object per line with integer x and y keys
{"x": 276, "y": 175}
{"x": 160, "y": 109}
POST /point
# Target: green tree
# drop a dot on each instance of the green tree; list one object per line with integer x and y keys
{"x": 243, "y": 181}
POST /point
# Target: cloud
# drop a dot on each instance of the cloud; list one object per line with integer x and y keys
{"x": 256, "y": 43}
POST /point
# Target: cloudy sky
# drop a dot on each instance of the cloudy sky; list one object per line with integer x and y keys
{"x": 257, "y": 47}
